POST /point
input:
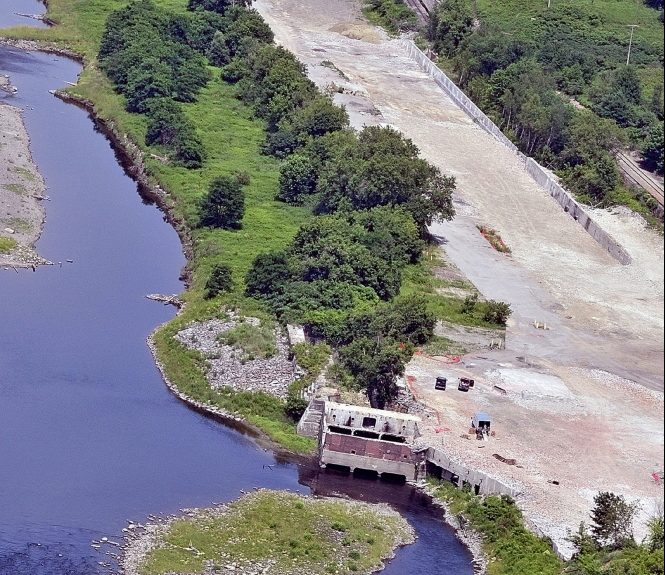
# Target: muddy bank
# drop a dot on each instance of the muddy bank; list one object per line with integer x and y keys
{"x": 22, "y": 192}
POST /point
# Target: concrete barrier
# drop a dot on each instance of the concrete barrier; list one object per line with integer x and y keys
{"x": 539, "y": 174}
{"x": 485, "y": 484}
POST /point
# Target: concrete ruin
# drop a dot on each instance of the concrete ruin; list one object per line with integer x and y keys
{"x": 371, "y": 439}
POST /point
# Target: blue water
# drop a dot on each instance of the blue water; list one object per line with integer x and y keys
{"x": 89, "y": 434}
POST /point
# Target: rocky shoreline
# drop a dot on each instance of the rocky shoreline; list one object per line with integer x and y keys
{"x": 22, "y": 190}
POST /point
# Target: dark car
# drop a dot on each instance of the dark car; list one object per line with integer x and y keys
{"x": 463, "y": 385}
{"x": 440, "y": 383}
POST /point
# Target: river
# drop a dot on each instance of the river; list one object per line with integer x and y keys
{"x": 89, "y": 434}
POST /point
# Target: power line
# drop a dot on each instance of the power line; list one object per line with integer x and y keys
{"x": 630, "y": 44}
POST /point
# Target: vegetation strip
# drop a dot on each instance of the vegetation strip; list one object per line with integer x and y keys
{"x": 606, "y": 548}
{"x": 277, "y": 532}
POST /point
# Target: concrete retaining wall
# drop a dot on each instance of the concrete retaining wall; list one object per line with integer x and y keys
{"x": 533, "y": 168}
{"x": 487, "y": 485}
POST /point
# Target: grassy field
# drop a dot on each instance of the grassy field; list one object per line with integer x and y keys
{"x": 301, "y": 535}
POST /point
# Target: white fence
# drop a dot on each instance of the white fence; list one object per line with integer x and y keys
{"x": 540, "y": 175}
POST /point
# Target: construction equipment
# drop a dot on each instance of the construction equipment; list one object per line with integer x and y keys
{"x": 441, "y": 383}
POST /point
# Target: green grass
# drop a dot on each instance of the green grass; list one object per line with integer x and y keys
{"x": 513, "y": 549}
{"x": 302, "y": 535}
{"x": 256, "y": 341}
{"x": 19, "y": 224}
{"x": 24, "y": 172}
{"x": 420, "y": 279}
{"x": 7, "y": 245}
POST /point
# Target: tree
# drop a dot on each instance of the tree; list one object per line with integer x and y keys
{"x": 375, "y": 366}
{"x": 224, "y": 204}
{"x": 612, "y": 519}
{"x": 406, "y": 319}
{"x": 319, "y": 117}
{"x": 653, "y": 148}
{"x": 151, "y": 79}
{"x": 450, "y": 23}
{"x": 165, "y": 121}
{"x": 217, "y": 5}
{"x": 268, "y": 274}
{"x": 218, "y": 53}
{"x": 220, "y": 280}
{"x": 656, "y": 535}
{"x": 297, "y": 179}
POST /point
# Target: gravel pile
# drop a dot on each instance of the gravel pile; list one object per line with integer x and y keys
{"x": 228, "y": 365}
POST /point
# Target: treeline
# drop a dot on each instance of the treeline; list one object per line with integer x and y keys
{"x": 156, "y": 59}
{"x": 521, "y": 80}
{"x": 373, "y": 198}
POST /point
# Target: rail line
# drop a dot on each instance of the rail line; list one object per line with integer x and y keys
{"x": 628, "y": 167}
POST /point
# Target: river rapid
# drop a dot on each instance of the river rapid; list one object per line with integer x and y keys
{"x": 89, "y": 434}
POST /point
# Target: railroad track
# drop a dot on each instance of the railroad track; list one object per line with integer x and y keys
{"x": 636, "y": 175}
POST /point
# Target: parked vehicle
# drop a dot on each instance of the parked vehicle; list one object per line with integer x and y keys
{"x": 471, "y": 382}
{"x": 441, "y": 383}
{"x": 463, "y": 385}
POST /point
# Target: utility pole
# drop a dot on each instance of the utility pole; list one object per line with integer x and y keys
{"x": 630, "y": 43}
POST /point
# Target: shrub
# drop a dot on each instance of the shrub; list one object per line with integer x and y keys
{"x": 257, "y": 342}
{"x": 224, "y": 204}
{"x": 497, "y": 312}
{"x": 220, "y": 280}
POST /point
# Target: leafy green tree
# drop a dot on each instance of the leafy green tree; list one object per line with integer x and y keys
{"x": 376, "y": 367}
{"x": 406, "y": 319}
{"x": 151, "y": 79}
{"x": 653, "y": 149}
{"x": 220, "y": 280}
{"x": 189, "y": 149}
{"x": 224, "y": 204}
{"x": 165, "y": 121}
{"x": 450, "y": 23}
{"x": 297, "y": 179}
{"x": 268, "y": 274}
{"x": 612, "y": 519}
{"x": 220, "y": 6}
{"x": 319, "y": 117}
{"x": 656, "y": 536}
{"x": 218, "y": 53}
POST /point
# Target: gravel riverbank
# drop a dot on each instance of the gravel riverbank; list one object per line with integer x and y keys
{"x": 22, "y": 190}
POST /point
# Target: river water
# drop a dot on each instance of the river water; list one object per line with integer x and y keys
{"x": 89, "y": 434}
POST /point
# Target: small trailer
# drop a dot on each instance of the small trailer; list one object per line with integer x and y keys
{"x": 481, "y": 422}
{"x": 441, "y": 383}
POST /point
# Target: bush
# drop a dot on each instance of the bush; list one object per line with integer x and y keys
{"x": 224, "y": 204}
{"x": 218, "y": 53}
{"x": 497, "y": 312}
{"x": 220, "y": 280}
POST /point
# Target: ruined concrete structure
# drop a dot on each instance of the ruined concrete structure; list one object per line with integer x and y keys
{"x": 371, "y": 439}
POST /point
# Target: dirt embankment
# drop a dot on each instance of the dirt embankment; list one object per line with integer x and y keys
{"x": 22, "y": 191}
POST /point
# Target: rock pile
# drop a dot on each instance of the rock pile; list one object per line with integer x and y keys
{"x": 228, "y": 365}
